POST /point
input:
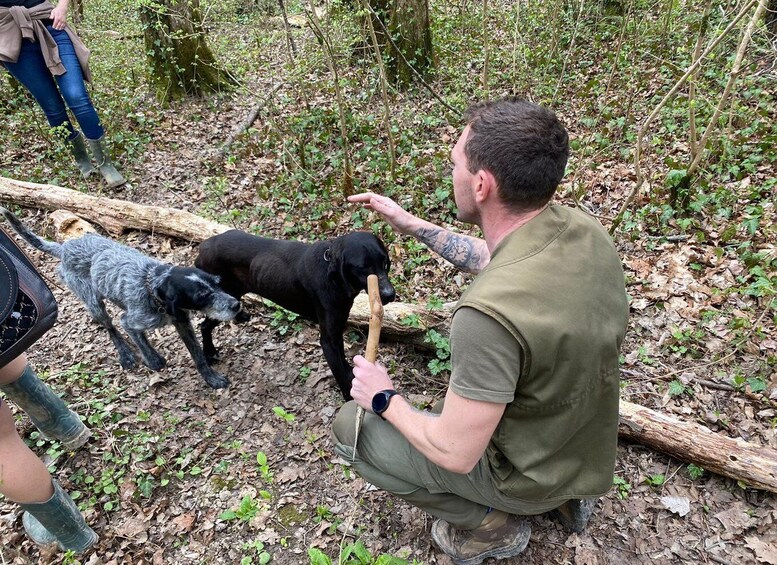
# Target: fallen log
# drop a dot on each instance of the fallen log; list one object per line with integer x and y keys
{"x": 690, "y": 442}
{"x": 117, "y": 216}
{"x": 113, "y": 215}
{"x": 755, "y": 465}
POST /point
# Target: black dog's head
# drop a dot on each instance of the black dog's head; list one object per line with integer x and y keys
{"x": 355, "y": 256}
{"x": 182, "y": 289}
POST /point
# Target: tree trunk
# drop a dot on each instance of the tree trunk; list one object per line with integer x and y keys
{"x": 409, "y": 39}
{"x": 770, "y": 18}
{"x": 181, "y": 62}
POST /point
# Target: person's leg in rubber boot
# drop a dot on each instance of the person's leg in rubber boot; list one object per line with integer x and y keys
{"x": 26, "y": 481}
{"x": 58, "y": 519}
{"x": 49, "y": 413}
{"x": 100, "y": 153}
{"x": 78, "y": 149}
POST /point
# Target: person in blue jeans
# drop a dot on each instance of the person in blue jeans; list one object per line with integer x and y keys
{"x": 45, "y": 55}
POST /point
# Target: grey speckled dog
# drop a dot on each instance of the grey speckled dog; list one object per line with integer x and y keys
{"x": 152, "y": 294}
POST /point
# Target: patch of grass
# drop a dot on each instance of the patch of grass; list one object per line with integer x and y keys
{"x": 355, "y": 554}
{"x": 622, "y": 487}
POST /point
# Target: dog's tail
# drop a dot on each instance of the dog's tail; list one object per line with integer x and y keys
{"x": 50, "y": 247}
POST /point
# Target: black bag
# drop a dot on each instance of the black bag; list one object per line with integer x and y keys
{"x": 27, "y": 306}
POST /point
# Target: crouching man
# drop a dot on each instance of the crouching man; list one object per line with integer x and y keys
{"x": 529, "y": 420}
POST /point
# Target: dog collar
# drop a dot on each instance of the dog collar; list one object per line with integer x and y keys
{"x": 150, "y": 290}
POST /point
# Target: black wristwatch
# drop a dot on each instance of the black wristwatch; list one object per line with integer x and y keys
{"x": 380, "y": 402}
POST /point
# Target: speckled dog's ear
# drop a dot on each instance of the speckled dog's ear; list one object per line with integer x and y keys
{"x": 169, "y": 296}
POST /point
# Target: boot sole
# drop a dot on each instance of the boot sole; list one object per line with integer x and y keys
{"x": 82, "y": 437}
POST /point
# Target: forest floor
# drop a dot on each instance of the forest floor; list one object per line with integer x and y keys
{"x": 169, "y": 456}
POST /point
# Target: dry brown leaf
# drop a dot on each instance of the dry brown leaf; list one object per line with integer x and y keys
{"x": 185, "y": 522}
{"x": 765, "y": 549}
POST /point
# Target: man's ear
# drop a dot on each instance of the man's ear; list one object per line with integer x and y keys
{"x": 485, "y": 185}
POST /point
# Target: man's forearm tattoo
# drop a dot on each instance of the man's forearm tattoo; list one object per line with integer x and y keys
{"x": 462, "y": 251}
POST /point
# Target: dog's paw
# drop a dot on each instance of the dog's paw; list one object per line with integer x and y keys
{"x": 127, "y": 361}
{"x": 217, "y": 380}
{"x": 155, "y": 363}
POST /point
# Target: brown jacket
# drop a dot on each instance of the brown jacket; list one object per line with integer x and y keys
{"x": 18, "y": 23}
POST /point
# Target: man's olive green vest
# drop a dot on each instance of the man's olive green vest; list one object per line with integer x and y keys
{"x": 557, "y": 285}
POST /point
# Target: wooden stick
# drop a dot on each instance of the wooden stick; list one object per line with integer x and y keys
{"x": 373, "y": 337}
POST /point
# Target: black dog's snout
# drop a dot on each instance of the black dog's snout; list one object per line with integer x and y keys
{"x": 387, "y": 295}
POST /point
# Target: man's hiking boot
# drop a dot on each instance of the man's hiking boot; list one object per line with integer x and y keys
{"x": 500, "y": 536}
{"x": 574, "y": 514}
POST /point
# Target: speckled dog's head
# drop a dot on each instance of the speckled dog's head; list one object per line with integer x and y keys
{"x": 184, "y": 289}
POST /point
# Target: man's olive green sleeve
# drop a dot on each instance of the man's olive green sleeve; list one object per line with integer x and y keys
{"x": 485, "y": 358}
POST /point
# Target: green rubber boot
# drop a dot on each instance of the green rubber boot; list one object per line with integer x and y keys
{"x": 107, "y": 170}
{"x": 47, "y": 411}
{"x": 58, "y": 520}
{"x": 78, "y": 149}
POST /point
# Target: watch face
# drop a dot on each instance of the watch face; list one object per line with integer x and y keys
{"x": 380, "y": 402}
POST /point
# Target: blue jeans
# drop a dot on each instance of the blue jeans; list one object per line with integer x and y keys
{"x": 31, "y": 71}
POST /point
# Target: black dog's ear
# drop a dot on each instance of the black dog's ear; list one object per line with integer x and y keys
{"x": 334, "y": 261}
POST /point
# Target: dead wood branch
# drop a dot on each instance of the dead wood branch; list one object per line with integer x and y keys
{"x": 732, "y": 78}
{"x": 115, "y": 216}
{"x": 245, "y": 124}
{"x": 755, "y": 465}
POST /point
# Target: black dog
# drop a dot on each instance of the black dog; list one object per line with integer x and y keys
{"x": 318, "y": 281}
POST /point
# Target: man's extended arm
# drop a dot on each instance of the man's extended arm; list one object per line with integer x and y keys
{"x": 455, "y": 439}
{"x": 463, "y": 251}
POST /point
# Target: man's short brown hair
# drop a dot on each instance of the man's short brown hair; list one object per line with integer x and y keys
{"x": 522, "y": 144}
